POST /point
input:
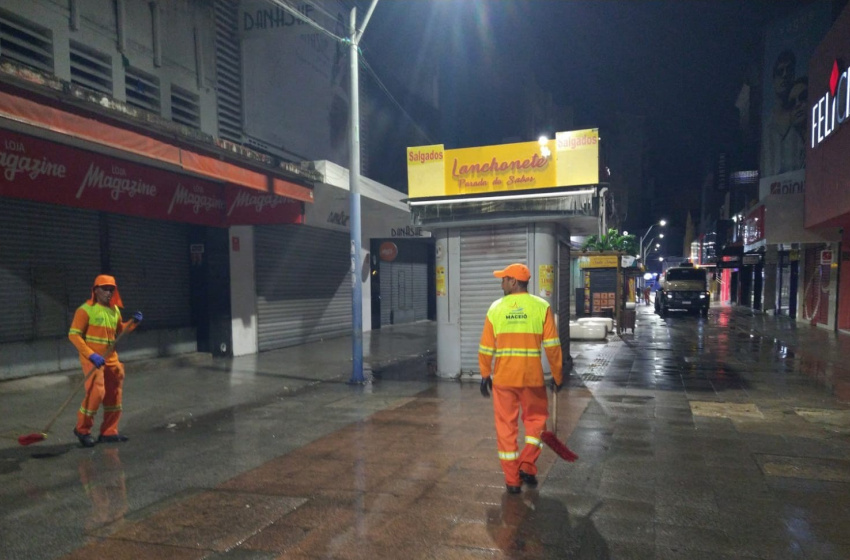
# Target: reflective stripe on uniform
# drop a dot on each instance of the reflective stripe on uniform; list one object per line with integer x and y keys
{"x": 529, "y": 440}
{"x": 486, "y": 350}
{"x": 508, "y": 455}
{"x": 98, "y": 340}
{"x": 116, "y": 408}
{"x": 551, "y": 342}
{"x": 86, "y": 412}
{"x": 524, "y": 352}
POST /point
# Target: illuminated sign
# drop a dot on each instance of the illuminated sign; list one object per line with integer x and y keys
{"x": 571, "y": 159}
{"x": 833, "y": 108}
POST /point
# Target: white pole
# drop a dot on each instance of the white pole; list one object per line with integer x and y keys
{"x": 354, "y": 186}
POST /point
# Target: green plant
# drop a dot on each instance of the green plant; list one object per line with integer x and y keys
{"x": 612, "y": 241}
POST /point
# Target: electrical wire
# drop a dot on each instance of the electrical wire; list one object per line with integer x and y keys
{"x": 364, "y": 63}
{"x": 398, "y": 105}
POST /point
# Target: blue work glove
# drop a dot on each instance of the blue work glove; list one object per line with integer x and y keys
{"x": 486, "y": 386}
{"x": 97, "y": 360}
{"x": 137, "y": 317}
{"x": 554, "y": 386}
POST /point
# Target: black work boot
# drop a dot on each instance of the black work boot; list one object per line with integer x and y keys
{"x": 85, "y": 439}
{"x": 528, "y": 479}
{"x": 513, "y": 489}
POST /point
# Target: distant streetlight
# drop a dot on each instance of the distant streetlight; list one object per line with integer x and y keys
{"x": 641, "y": 252}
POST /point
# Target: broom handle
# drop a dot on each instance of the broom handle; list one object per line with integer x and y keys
{"x": 62, "y": 408}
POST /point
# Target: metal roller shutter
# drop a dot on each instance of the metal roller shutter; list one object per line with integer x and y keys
{"x": 150, "y": 262}
{"x": 404, "y": 285}
{"x": 419, "y": 272}
{"x": 49, "y": 256}
{"x": 483, "y": 250}
{"x": 303, "y": 285}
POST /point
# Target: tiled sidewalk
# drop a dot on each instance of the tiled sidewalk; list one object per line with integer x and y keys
{"x": 418, "y": 480}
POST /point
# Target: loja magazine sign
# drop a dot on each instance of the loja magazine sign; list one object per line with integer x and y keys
{"x": 44, "y": 171}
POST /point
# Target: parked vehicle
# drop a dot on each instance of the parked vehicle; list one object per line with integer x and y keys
{"x": 683, "y": 287}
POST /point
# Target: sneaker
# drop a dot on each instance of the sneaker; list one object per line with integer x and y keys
{"x": 513, "y": 489}
{"x": 528, "y": 479}
{"x": 85, "y": 439}
{"x": 117, "y": 438}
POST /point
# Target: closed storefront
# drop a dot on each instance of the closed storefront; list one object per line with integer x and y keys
{"x": 77, "y": 213}
{"x": 49, "y": 256}
{"x": 150, "y": 260}
{"x": 403, "y": 277}
{"x": 303, "y": 285}
{"x": 483, "y": 250}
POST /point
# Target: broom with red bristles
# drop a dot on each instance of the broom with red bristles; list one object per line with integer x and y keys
{"x": 550, "y": 439}
{"x": 35, "y": 437}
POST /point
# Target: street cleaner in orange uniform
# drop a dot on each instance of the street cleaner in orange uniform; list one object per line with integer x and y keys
{"x": 96, "y": 324}
{"x": 516, "y": 327}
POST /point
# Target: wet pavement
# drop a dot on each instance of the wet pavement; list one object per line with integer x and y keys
{"x": 723, "y": 437}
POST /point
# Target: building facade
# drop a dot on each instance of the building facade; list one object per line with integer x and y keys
{"x": 126, "y": 148}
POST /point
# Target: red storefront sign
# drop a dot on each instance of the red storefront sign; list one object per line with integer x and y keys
{"x": 44, "y": 171}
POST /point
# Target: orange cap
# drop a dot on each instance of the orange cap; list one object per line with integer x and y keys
{"x": 106, "y": 280}
{"x": 516, "y": 270}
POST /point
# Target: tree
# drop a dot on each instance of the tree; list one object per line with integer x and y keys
{"x": 612, "y": 241}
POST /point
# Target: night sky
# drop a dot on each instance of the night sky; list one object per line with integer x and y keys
{"x": 680, "y": 63}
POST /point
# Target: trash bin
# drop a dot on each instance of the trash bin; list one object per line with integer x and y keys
{"x": 628, "y": 320}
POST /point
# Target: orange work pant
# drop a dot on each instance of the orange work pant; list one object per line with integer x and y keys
{"x": 105, "y": 386}
{"x": 507, "y": 402}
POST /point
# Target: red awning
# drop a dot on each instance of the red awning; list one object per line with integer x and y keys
{"x": 46, "y": 117}
{"x": 33, "y": 168}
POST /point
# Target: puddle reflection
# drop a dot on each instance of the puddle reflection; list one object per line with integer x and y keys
{"x": 103, "y": 480}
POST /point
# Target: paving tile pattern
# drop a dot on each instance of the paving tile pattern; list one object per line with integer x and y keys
{"x": 401, "y": 474}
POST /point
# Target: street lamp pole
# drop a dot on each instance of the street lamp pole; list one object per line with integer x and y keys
{"x": 662, "y": 223}
{"x": 354, "y": 188}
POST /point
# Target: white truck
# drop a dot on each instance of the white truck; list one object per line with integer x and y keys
{"x": 683, "y": 287}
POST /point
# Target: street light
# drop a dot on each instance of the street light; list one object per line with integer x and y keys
{"x": 641, "y": 254}
{"x": 649, "y": 247}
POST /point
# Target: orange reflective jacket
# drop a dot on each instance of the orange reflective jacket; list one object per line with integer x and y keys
{"x": 94, "y": 329}
{"x": 516, "y": 327}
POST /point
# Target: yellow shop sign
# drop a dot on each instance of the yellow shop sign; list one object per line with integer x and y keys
{"x": 571, "y": 159}
{"x": 599, "y": 261}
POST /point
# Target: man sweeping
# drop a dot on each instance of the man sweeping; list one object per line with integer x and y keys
{"x": 515, "y": 328}
{"x": 93, "y": 331}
